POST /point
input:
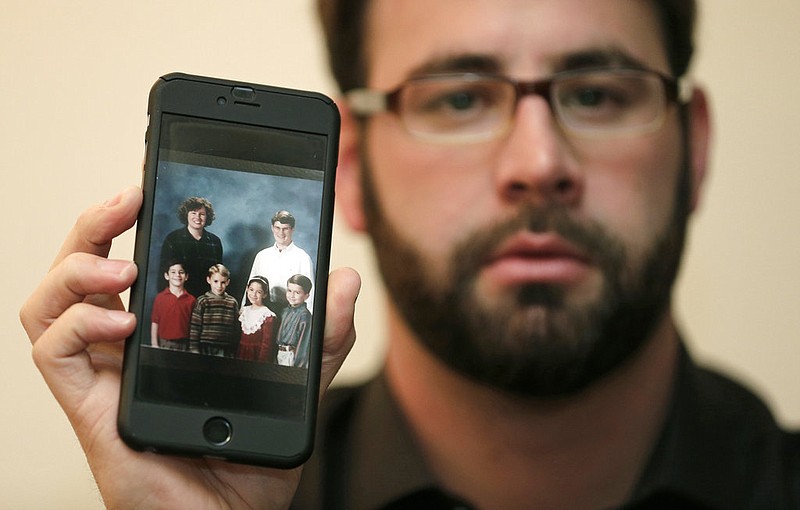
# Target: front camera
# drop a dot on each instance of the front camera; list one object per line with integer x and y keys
{"x": 221, "y": 100}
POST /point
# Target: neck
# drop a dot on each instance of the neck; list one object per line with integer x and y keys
{"x": 281, "y": 246}
{"x": 197, "y": 233}
{"x": 504, "y": 451}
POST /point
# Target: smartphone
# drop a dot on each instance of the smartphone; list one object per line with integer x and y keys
{"x": 225, "y": 360}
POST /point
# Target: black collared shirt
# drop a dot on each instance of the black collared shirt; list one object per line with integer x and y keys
{"x": 197, "y": 255}
{"x": 720, "y": 449}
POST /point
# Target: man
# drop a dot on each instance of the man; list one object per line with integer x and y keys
{"x": 282, "y": 260}
{"x": 527, "y": 189}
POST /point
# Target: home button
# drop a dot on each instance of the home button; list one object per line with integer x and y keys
{"x": 218, "y": 431}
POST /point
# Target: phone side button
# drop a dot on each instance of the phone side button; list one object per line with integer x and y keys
{"x": 218, "y": 431}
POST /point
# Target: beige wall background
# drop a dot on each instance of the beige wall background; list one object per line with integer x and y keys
{"x": 74, "y": 78}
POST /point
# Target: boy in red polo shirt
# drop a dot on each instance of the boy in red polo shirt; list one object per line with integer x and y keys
{"x": 172, "y": 311}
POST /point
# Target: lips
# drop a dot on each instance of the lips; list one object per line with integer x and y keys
{"x": 537, "y": 258}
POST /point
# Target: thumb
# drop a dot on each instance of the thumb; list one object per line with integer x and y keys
{"x": 340, "y": 333}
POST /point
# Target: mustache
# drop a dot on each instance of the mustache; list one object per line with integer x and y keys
{"x": 588, "y": 236}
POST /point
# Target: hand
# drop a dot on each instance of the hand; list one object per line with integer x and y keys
{"x": 77, "y": 324}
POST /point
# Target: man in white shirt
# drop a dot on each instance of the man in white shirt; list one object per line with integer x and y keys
{"x": 282, "y": 260}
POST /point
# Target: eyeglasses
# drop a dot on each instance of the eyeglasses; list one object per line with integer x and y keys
{"x": 471, "y": 107}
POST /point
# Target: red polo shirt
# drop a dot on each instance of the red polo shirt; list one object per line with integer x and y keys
{"x": 172, "y": 314}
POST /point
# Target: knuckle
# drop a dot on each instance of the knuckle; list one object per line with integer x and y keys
{"x": 71, "y": 324}
{"x": 39, "y": 355}
{"x": 27, "y": 317}
{"x": 24, "y": 313}
{"x": 87, "y": 223}
{"x": 75, "y": 261}
{"x": 77, "y": 274}
{"x": 96, "y": 226}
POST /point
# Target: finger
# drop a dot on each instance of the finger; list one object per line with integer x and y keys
{"x": 61, "y": 351}
{"x": 77, "y": 276}
{"x": 99, "y": 225}
{"x": 340, "y": 334}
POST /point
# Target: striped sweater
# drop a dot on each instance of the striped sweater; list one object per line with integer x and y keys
{"x": 215, "y": 319}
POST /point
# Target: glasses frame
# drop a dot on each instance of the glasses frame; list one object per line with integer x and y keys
{"x": 366, "y": 102}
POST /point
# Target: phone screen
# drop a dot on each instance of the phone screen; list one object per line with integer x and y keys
{"x": 218, "y": 187}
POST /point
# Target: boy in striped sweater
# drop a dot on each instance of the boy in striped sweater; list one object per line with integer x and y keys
{"x": 214, "y": 327}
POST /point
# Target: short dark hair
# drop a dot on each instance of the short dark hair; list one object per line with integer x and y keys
{"x": 303, "y": 281}
{"x": 345, "y": 31}
{"x": 174, "y": 262}
{"x": 344, "y": 28}
{"x": 284, "y": 217}
{"x": 677, "y": 21}
{"x": 193, "y": 204}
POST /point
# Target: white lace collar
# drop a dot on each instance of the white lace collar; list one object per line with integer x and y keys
{"x": 252, "y": 318}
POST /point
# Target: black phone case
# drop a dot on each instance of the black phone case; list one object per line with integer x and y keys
{"x": 191, "y": 429}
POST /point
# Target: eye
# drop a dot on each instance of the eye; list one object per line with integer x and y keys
{"x": 594, "y": 96}
{"x": 604, "y": 98}
{"x": 462, "y": 100}
{"x": 452, "y": 97}
{"x": 458, "y": 103}
{"x": 591, "y": 97}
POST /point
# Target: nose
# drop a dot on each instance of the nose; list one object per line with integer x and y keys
{"x": 534, "y": 162}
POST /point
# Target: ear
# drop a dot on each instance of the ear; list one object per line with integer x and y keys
{"x": 348, "y": 174}
{"x": 700, "y": 131}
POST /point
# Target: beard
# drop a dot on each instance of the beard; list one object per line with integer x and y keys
{"x": 532, "y": 341}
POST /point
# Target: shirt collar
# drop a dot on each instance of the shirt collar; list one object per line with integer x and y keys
{"x": 289, "y": 247}
{"x": 382, "y": 433}
{"x": 715, "y": 443}
{"x": 695, "y": 460}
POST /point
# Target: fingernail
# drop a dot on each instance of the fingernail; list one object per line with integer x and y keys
{"x": 114, "y": 201}
{"x": 119, "y": 316}
{"x": 116, "y": 267}
{"x": 118, "y": 198}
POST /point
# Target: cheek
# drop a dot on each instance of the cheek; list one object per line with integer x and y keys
{"x": 633, "y": 191}
{"x": 429, "y": 193}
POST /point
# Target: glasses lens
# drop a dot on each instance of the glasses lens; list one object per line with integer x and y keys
{"x": 457, "y": 107}
{"x": 609, "y": 101}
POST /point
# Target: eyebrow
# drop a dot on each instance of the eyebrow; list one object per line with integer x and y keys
{"x": 461, "y": 63}
{"x": 590, "y": 58}
{"x": 610, "y": 57}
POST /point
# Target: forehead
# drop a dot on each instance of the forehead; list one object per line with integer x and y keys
{"x": 525, "y": 38}
{"x": 278, "y": 224}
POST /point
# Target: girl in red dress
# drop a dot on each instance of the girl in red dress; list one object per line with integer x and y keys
{"x": 258, "y": 323}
